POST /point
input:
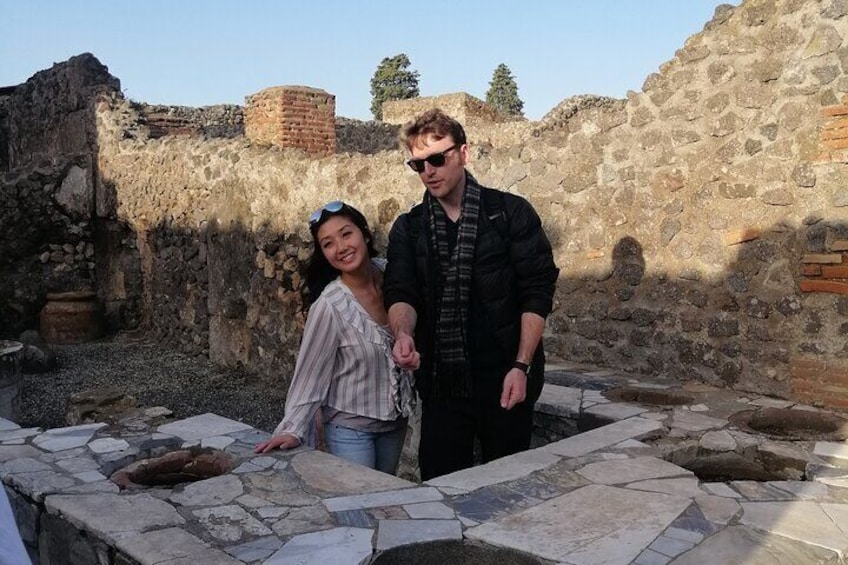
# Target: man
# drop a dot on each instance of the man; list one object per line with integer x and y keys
{"x": 469, "y": 283}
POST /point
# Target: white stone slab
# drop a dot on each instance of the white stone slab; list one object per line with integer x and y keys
{"x": 23, "y": 465}
{"x": 632, "y": 444}
{"x": 721, "y": 489}
{"x": 90, "y": 476}
{"x": 217, "y": 490}
{"x": 745, "y": 546}
{"x": 108, "y": 445}
{"x": 393, "y": 533}
{"x": 340, "y": 546}
{"x": 13, "y": 442}
{"x": 804, "y": 490}
{"x": 718, "y": 509}
{"x": 651, "y": 557}
{"x": 595, "y": 396}
{"x": 246, "y": 467}
{"x": 255, "y": 550}
{"x": 616, "y": 411}
{"x": 687, "y": 487}
{"x": 719, "y": 441}
{"x": 693, "y": 422}
{"x": 500, "y": 470}
{"x": 838, "y": 513}
{"x": 840, "y": 482}
{"x": 390, "y": 498}
{"x": 699, "y": 408}
{"x": 670, "y": 546}
{"x": 430, "y": 510}
{"x": 110, "y": 516}
{"x": 559, "y": 401}
{"x": 605, "y": 436}
{"x": 171, "y": 545}
{"x": 216, "y": 442}
{"x": 264, "y": 462}
{"x": 230, "y": 523}
{"x": 802, "y": 521}
{"x": 831, "y": 449}
{"x": 203, "y": 426}
{"x": 59, "y": 439}
{"x": 250, "y": 501}
{"x": 272, "y": 512}
{"x": 78, "y": 464}
{"x": 6, "y": 425}
{"x": 631, "y": 470}
{"x": 686, "y": 535}
{"x": 591, "y": 525}
{"x": 19, "y": 433}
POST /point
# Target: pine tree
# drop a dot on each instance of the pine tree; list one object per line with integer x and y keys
{"x": 503, "y": 92}
{"x": 392, "y": 81}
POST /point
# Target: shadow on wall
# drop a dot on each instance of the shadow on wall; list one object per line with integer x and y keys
{"x": 222, "y": 291}
{"x": 774, "y": 322}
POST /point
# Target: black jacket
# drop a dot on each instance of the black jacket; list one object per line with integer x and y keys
{"x": 510, "y": 277}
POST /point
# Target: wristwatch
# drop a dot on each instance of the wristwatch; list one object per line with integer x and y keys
{"x": 524, "y": 367}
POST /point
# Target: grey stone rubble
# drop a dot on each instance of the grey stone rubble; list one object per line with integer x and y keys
{"x": 612, "y": 494}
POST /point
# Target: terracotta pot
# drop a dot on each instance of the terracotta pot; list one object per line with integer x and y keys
{"x": 71, "y": 317}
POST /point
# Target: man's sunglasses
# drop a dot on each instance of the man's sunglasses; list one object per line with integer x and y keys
{"x": 331, "y": 207}
{"x": 435, "y": 160}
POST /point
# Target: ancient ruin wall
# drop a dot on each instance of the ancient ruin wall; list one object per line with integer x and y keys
{"x": 685, "y": 224}
{"x": 47, "y": 231}
{"x": 699, "y": 224}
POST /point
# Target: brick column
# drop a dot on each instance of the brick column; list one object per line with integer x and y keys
{"x": 292, "y": 116}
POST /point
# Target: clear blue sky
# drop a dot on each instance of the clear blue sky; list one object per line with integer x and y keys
{"x": 203, "y": 52}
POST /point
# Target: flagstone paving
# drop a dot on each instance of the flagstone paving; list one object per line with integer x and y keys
{"x": 615, "y": 494}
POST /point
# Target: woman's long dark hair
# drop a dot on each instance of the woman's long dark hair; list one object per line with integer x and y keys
{"x": 319, "y": 273}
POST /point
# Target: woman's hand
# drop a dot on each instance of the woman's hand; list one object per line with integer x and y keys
{"x": 405, "y": 354}
{"x": 285, "y": 441}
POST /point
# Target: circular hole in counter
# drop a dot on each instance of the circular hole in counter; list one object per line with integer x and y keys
{"x": 173, "y": 468}
{"x": 650, "y": 396}
{"x": 452, "y": 551}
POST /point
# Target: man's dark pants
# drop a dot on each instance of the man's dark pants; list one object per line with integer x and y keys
{"x": 449, "y": 427}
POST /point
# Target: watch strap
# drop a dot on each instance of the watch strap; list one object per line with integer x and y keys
{"x": 524, "y": 367}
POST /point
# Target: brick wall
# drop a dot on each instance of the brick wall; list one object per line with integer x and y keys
{"x": 819, "y": 382}
{"x": 292, "y": 116}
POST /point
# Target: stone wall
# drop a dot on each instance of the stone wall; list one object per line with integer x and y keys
{"x": 686, "y": 219}
{"x": 466, "y": 108}
{"x": 220, "y": 120}
{"x": 47, "y": 190}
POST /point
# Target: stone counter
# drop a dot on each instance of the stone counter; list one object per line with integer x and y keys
{"x": 610, "y": 494}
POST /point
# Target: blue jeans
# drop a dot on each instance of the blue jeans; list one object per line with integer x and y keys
{"x": 378, "y": 450}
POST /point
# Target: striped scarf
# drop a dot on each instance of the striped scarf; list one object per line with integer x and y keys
{"x": 451, "y": 373}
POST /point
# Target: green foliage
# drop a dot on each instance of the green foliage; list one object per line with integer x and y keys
{"x": 503, "y": 92}
{"x": 392, "y": 81}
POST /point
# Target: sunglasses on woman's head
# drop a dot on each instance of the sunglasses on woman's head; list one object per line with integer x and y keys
{"x": 331, "y": 207}
{"x": 435, "y": 160}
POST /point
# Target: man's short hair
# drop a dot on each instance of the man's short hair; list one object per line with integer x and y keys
{"x": 432, "y": 122}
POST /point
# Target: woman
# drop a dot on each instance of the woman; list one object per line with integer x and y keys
{"x": 345, "y": 364}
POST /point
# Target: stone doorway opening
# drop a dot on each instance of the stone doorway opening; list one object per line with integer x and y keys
{"x": 173, "y": 468}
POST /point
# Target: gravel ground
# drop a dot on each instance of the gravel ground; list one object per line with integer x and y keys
{"x": 155, "y": 376}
